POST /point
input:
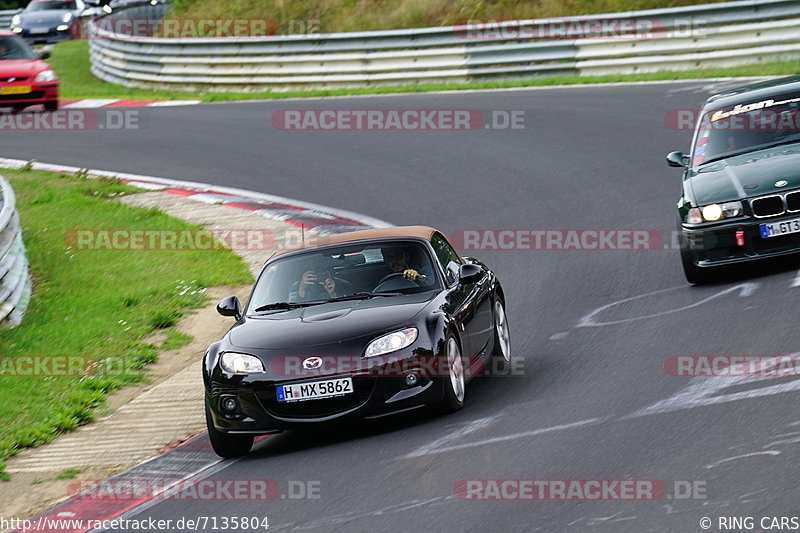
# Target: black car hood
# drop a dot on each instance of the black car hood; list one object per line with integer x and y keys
{"x": 751, "y": 174}
{"x": 330, "y": 323}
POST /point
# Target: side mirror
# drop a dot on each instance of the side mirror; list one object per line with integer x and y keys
{"x": 677, "y": 159}
{"x": 44, "y": 55}
{"x": 230, "y": 306}
{"x": 470, "y": 273}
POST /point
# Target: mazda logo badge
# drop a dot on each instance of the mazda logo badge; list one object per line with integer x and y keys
{"x": 781, "y": 183}
{"x": 311, "y": 363}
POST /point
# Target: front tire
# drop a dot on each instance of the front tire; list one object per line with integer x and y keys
{"x": 227, "y": 445}
{"x": 51, "y": 105}
{"x": 455, "y": 382}
{"x": 501, "y": 351}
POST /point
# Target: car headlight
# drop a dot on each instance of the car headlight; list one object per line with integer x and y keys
{"x": 67, "y": 17}
{"x": 62, "y": 27}
{"x": 240, "y": 363}
{"x": 16, "y": 20}
{"x": 16, "y": 30}
{"x": 46, "y": 75}
{"x": 107, "y": 8}
{"x": 391, "y": 342}
{"x": 714, "y": 212}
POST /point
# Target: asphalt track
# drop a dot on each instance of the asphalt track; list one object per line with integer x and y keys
{"x": 595, "y": 401}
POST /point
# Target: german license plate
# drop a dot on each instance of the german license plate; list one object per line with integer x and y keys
{"x": 16, "y": 89}
{"x": 776, "y": 229}
{"x": 314, "y": 390}
{"x": 39, "y": 30}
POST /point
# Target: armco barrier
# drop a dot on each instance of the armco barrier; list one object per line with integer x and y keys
{"x": 6, "y": 16}
{"x": 15, "y": 281}
{"x": 708, "y": 35}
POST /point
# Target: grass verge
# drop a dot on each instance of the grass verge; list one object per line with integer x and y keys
{"x": 71, "y": 61}
{"x": 101, "y": 305}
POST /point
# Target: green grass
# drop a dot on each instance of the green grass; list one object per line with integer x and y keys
{"x": 357, "y": 15}
{"x": 96, "y": 304}
{"x": 71, "y": 61}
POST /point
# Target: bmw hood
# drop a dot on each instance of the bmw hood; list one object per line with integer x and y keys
{"x": 21, "y": 68}
{"x": 746, "y": 175}
{"x": 329, "y": 324}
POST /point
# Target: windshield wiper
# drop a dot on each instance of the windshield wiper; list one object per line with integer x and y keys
{"x": 364, "y": 296}
{"x": 285, "y": 305}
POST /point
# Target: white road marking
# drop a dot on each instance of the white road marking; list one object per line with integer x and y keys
{"x": 745, "y": 456}
{"x": 559, "y": 336}
{"x": 745, "y": 289}
{"x": 703, "y": 391}
{"x": 796, "y": 282}
{"x": 90, "y": 103}
{"x": 514, "y": 436}
{"x": 471, "y": 427}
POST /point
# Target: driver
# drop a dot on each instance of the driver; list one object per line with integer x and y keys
{"x": 398, "y": 259}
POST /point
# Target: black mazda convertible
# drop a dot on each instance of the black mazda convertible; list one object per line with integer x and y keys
{"x": 359, "y": 325}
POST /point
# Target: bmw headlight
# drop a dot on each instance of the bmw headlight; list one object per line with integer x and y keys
{"x": 391, "y": 342}
{"x": 45, "y": 76}
{"x": 16, "y": 20}
{"x": 240, "y": 363}
{"x": 67, "y": 17}
{"x": 714, "y": 212}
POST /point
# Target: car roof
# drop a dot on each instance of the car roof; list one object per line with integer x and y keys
{"x": 755, "y": 92}
{"x": 418, "y": 232}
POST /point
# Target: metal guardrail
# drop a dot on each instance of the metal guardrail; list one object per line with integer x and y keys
{"x": 708, "y": 35}
{"x": 6, "y": 16}
{"x": 15, "y": 280}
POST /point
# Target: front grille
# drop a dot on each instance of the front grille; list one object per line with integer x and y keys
{"x": 793, "y": 201}
{"x": 768, "y": 206}
{"x": 362, "y": 389}
{"x": 35, "y": 95}
{"x": 12, "y": 79}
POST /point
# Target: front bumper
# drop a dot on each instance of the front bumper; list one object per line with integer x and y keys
{"x": 717, "y": 246}
{"x": 50, "y": 37}
{"x": 258, "y": 411}
{"x": 40, "y": 93}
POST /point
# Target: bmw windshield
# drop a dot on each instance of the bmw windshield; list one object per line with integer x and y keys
{"x": 747, "y": 127}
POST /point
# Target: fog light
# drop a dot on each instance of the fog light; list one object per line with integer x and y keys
{"x": 411, "y": 380}
{"x": 229, "y": 403}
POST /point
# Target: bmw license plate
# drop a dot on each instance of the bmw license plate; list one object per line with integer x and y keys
{"x": 314, "y": 390}
{"x": 776, "y": 229}
{"x": 16, "y": 89}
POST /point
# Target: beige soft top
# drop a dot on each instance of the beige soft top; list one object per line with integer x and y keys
{"x": 423, "y": 232}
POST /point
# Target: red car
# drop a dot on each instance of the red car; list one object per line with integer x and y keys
{"x": 25, "y": 79}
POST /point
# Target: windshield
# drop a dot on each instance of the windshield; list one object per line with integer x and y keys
{"x": 746, "y": 127}
{"x": 47, "y": 4}
{"x": 365, "y": 270}
{"x": 14, "y": 48}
